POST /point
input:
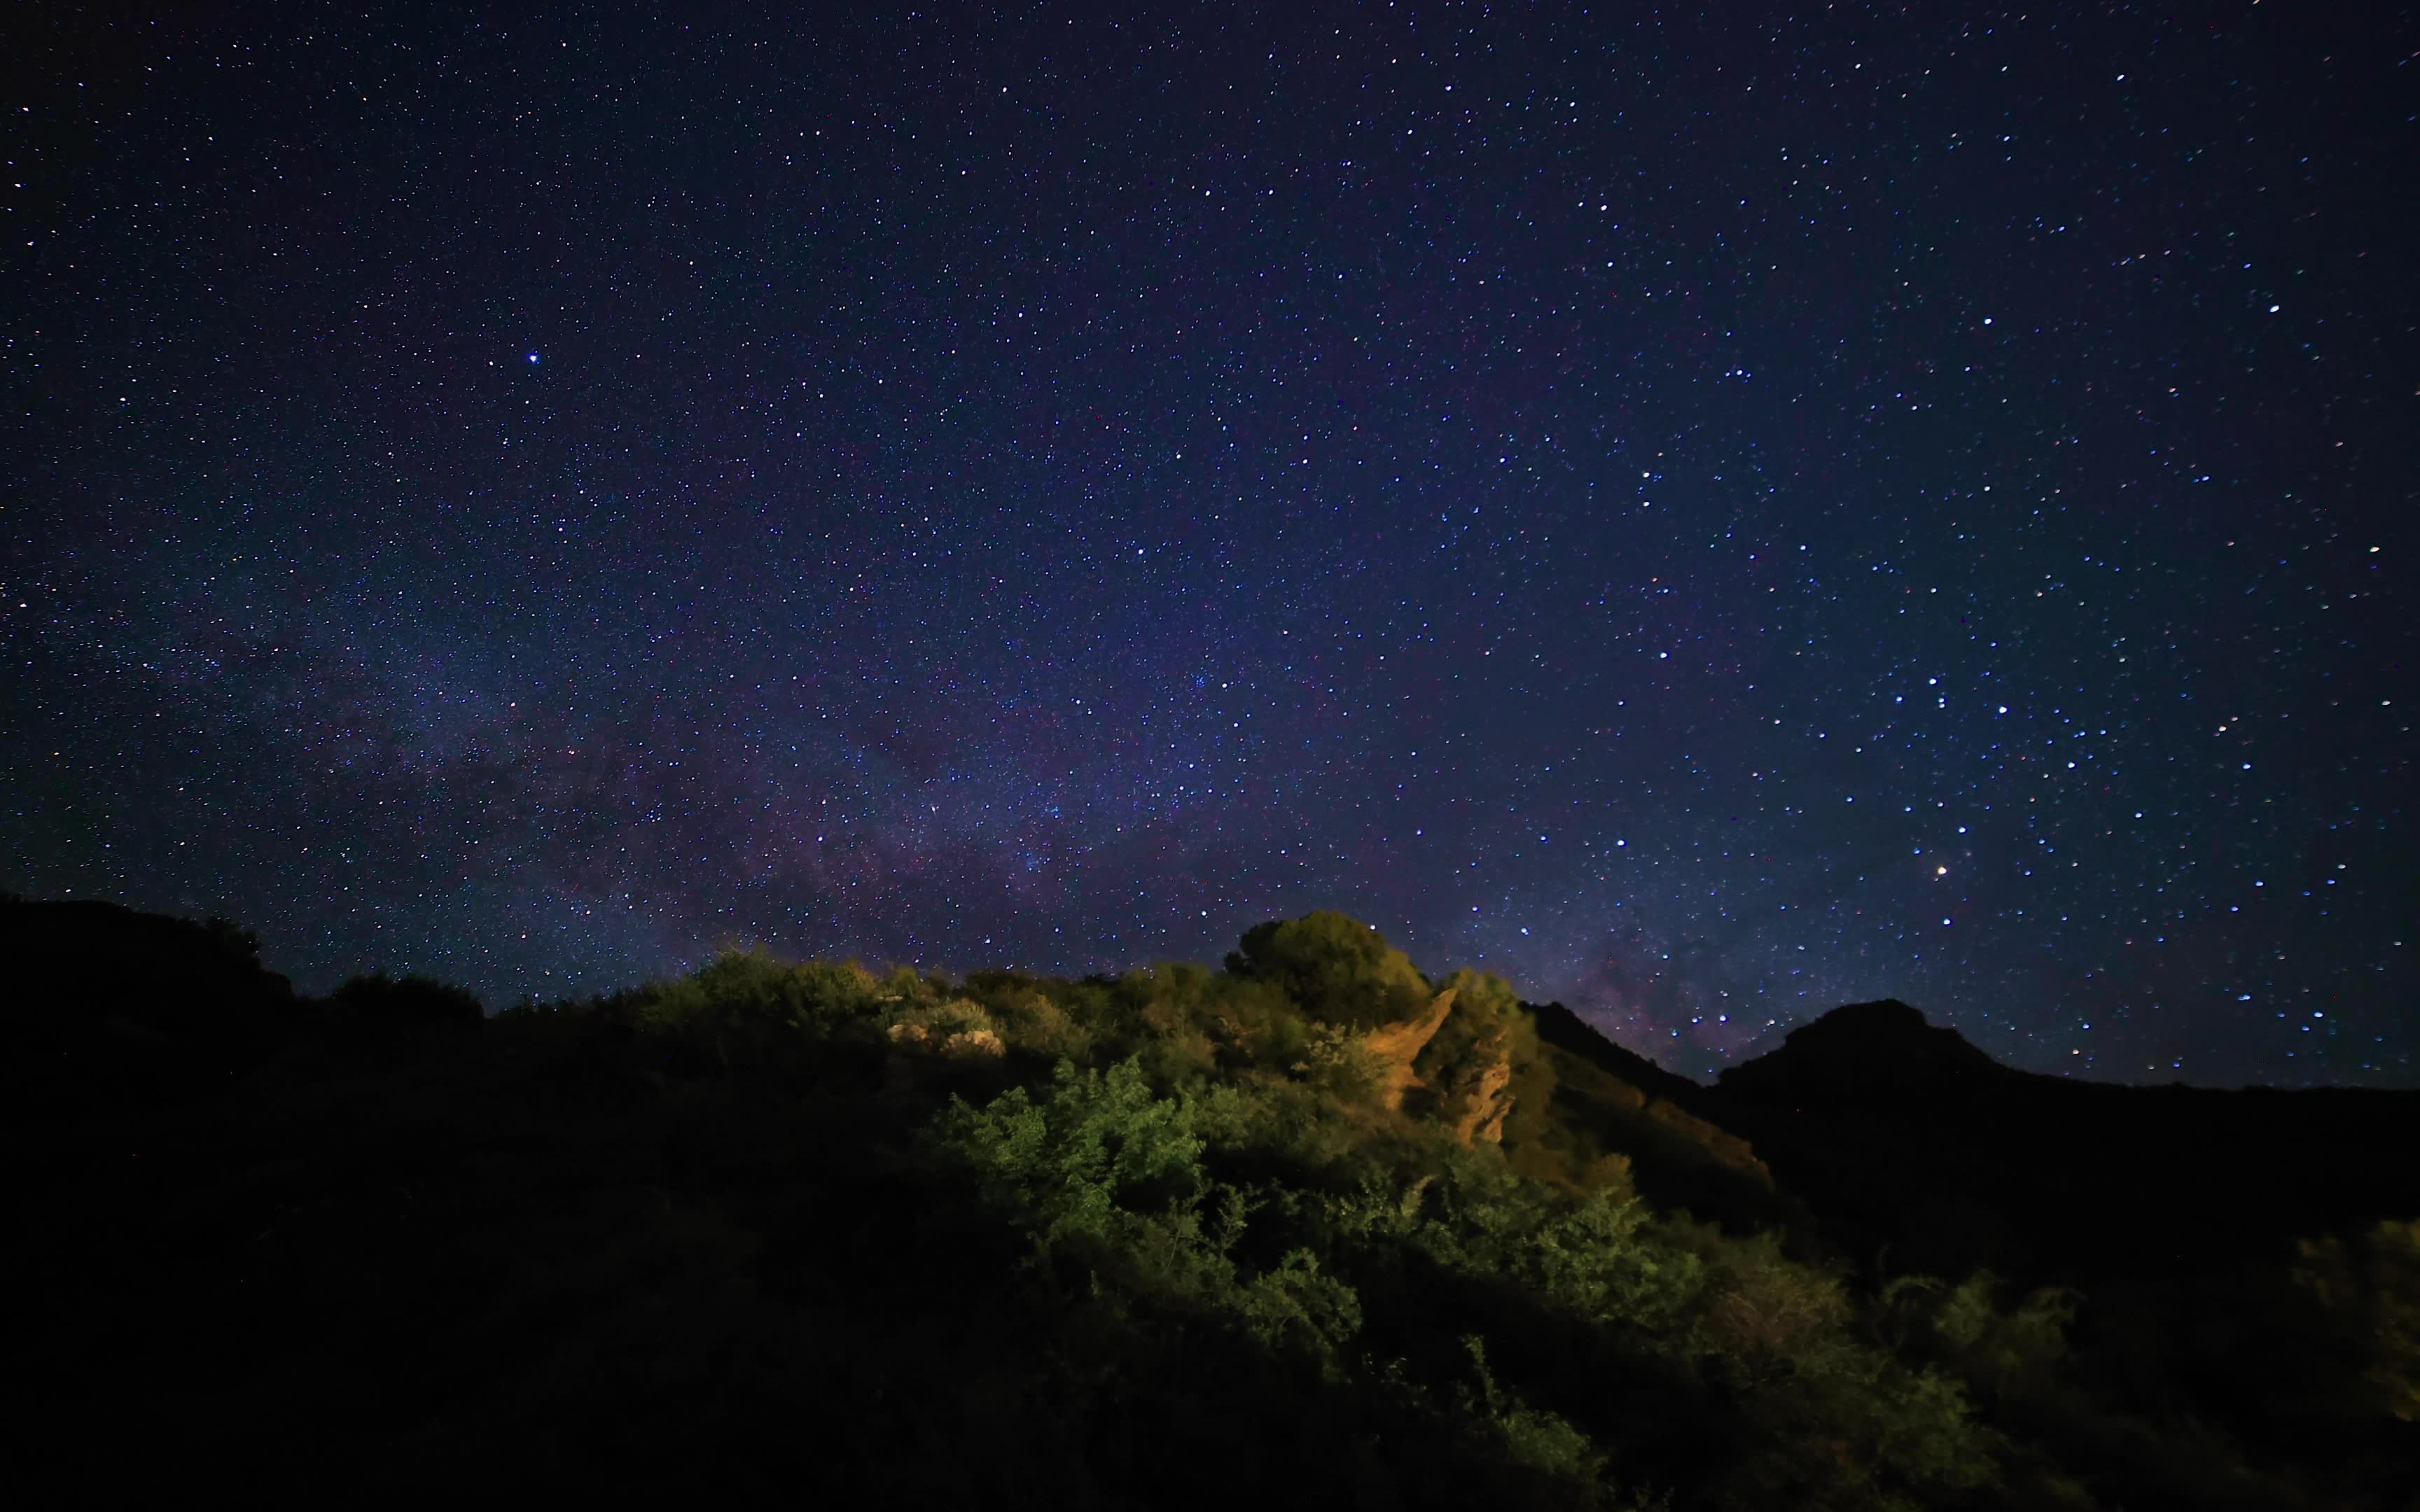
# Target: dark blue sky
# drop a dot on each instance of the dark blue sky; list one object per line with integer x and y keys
{"x": 1712, "y": 517}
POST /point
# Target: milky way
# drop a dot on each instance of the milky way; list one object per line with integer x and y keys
{"x": 1710, "y": 517}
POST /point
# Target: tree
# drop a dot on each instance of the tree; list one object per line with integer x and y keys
{"x": 1338, "y": 969}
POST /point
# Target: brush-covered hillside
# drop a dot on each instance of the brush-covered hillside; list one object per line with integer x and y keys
{"x": 1314, "y": 1227}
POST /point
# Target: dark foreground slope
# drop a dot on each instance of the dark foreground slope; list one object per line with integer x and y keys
{"x": 1313, "y": 1228}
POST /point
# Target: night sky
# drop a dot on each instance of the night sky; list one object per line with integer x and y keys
{"x": 1711, "y": 516}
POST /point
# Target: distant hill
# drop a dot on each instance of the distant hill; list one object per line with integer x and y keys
{"x": 1317, "y": 1227}
{"x": 1904, "y": 1135}
{"x": 1864, "y": 1051}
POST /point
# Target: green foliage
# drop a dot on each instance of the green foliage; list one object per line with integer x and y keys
{"x": 1338, "y": 969}
{"x": 1539, "y": 1441}
{"x": 1116, "y": 1185}
{"x": 2368, "y": 1288}
{"x": 1147, "y": 1240}
{"x": 750, "y": 989}
{"x": 1095, "y": 1147}
{"x": 2015, "y": 1352}
{"x": 1106, "y": 1179}
{"x": 1338, "y": 1062}
{"x": 1031, "y": 1018}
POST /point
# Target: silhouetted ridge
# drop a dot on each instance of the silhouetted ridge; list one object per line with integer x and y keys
{"x": 1565, "y": 1030}
{"x": 378, "y": 998}
{"x": 167, "y": 973}
{"x": 1320, "y": 1229}
{"x": 1908, "y": 1140}
{"x": 1861, "y": 1049}
{"x": 99, "y": 1003}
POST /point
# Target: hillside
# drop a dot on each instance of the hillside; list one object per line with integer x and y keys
{"x": 1313, "y": 1227}
{"x": 1905, "y": 1136}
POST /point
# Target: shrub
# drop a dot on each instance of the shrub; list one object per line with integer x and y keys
{"x": 2368, "y": 1288}
{"x": 750, "y": 989}
{"x": 1338, "y": 969}
{"x": 380, "y": 998}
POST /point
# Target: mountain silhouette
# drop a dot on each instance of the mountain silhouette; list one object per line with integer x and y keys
{"x": 1863, "y": 1050}
{"x": 1905, "y": 1136}
{"x": 1318, "y": 1228}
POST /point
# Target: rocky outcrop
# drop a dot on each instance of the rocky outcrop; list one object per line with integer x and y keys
{"x": 1489, "y": 1105}
{"x": 1397, "y": 1045}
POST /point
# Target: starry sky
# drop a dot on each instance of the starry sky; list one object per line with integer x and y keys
{"x": 1711, "y": 516}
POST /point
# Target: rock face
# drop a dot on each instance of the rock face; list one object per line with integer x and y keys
{"x": 1489, "y": 1100}
{"x": 1490, "y": 1104}
{"x": 1398, "y": 1045}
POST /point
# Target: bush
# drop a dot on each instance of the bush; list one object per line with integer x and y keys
{"x": 378, "y": 998}
{"x": 2368, "y": 1290}
{"x": 750, "y": 989}
{"x": 1338, "y": 969}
